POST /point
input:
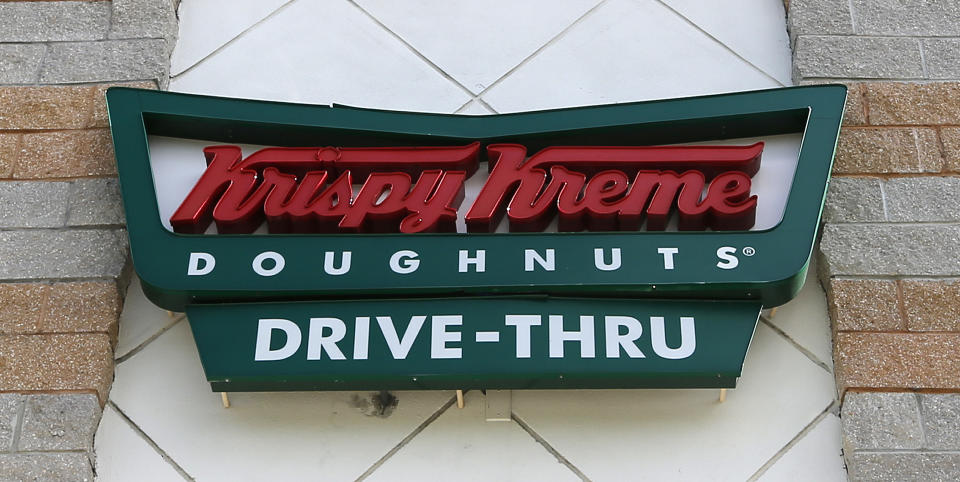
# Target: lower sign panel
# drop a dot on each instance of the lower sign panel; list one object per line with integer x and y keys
{"x": 473, "y": 343}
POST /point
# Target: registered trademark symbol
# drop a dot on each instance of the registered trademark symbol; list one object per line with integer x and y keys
{"x": 749, "y": 251}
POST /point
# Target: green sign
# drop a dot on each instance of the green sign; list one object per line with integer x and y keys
{"x": 513, "y": 342}
{"x": 303, "y": 270}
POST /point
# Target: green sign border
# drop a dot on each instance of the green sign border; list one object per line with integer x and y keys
{"x": 771, "y": 278}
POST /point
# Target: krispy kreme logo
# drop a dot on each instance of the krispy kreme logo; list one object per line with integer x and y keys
{"x": 421, "y": 189}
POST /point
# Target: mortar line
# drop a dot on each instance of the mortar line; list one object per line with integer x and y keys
{"x": 18, "y": 429}
{"x": 119, "y": 83}
{"x": 50, "y": 451}
{"x": 878, "y": 175}
{"x": 883, "y": 199}
{"x": 918, "y": 80}
{"x": 909, "y": 224}
{"x": 540, "y": 440}
{"x": 865, "y": 103}
{"x": 853, "y": 18}
{"x": 543, "y": 47}
{"x": 57, "y": 280}
{"x": 232, "y": 40}
{"x": 413, "y": 50}
{"x": 91, "y": 41}
{"x": 902, "y": 306}
{"x": 942, "y": 150}
{"x": 63, "y": 229}
{"x": 166, "y": 457}
{"x": 809, "y": 354}
{"x": 45, "y": 305}
{"x": 423, "y": 425}
{"x": 793, "y": 442}
{"x": 918, "y": 149}
{"x": 923, "y": 59}
{"x": 907, "y": 451}
{"x": 923, "y": 426}
{"x": 895, "y": 332}
{"x": 71, "y": 190}
{"x": 15, "y": 162}
{"x": 110, "y": 24}
{"x": 42, "y": 63}
{"x": 126, "y": 356}
{"x": 725, "y": 46}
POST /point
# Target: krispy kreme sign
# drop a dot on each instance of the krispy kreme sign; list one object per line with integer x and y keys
{"x": 319, "y": 247}
{"x": 420, "y": 189}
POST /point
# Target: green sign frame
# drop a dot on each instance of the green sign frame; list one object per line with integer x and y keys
{"x": 772, "y": 276}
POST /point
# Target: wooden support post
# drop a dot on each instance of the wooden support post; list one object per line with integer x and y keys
{"x": 224, "y": 399}
{"x": 171, "y": 314}
{"x": 723, "y": 395}
{"x": 772, "y": 313}
{"x": 459, "y": 398}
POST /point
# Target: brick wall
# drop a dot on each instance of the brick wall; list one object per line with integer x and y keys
{"x": 63, "y": 249}
{"x": 890, "y": 248}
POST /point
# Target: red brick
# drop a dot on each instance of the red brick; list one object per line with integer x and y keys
{"x": 902, "y": 361}
{"x": 932, "y": 305}
{"x": 951, "y": 148}
{"x": 48, "y": 107}
{"x": 74, "y": 362}
{"x": 63, "y": 154}
{"x": 100, "y": 118}
{"x": 82, "y": 307}
{"x": 879, "y": 150}
{"x": 864, "y": 305}
{"x": 9, "y": 153}
{"x": 900, "y": 103}
{"x": 21, "y": 307}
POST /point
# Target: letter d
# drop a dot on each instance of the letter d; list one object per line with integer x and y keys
{"x": 194, "y": 268}
{"x": 265, "y": 335}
